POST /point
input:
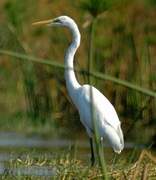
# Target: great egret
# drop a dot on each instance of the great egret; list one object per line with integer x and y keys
{"x": 107, "y": 121}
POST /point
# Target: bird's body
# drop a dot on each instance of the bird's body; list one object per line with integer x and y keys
{"x": 106, "y": 118}
{"x": 86, "y": 97}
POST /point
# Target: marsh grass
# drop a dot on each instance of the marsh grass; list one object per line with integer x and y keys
{"x": 28, "y": 76}
{"x": 66, "y": 166}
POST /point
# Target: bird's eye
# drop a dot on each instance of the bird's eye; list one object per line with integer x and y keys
{"x": 57, "y": 21}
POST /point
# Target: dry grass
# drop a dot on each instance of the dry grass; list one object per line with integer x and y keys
{"x": 143, "y": 168}
{"x": 66, "y": 167}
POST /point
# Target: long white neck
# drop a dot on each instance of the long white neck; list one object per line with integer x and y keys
{"x": 71, "y": 81}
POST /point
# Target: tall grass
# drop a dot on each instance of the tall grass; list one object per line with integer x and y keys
{"x": 33, "y": 100}
{"x": 98, "y": 141}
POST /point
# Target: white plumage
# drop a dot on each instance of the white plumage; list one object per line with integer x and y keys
{"x": 107, "y": 121}
{"x": 106, "y": 118}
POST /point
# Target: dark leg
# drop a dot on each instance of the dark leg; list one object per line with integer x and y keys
{"x": 92, "y": 152}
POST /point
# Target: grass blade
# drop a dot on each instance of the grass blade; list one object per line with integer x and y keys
{"x": 94, "y": 74}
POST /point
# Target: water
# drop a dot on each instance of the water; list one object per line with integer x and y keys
{"x": 14, "y": 146}
{"x": 28, "y": 171}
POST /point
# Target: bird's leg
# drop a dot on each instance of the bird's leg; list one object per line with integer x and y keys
{"x": 92, "y": 152}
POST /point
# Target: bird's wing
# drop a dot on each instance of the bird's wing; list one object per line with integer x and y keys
{"x": 105, "y": 115}
{"x": 101, "y": 105}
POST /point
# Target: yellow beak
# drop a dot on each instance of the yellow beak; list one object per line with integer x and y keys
{"x": 45, "y": 22}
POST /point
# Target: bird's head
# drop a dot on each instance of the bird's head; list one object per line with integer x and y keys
{"x": 64, "y": 21}
{"x": 59, "y": 21}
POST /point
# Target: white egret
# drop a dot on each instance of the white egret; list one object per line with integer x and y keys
{"x": 107, "y": 121}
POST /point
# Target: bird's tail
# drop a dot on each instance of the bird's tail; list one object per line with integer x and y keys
{"x": 115, "y": 138}
{"x": 120, "y": 134}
